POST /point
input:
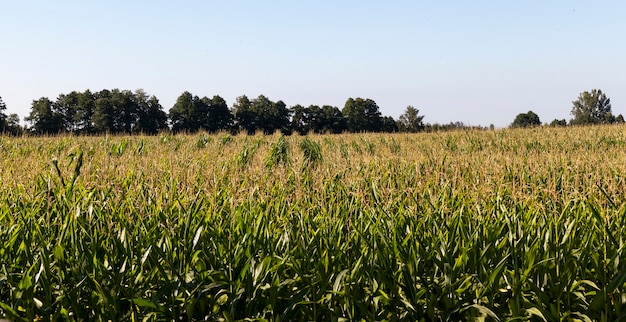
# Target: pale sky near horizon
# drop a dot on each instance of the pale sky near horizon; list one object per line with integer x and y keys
{"x": 478, "y": 62}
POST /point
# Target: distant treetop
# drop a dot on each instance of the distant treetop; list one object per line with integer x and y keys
{"x": 526, "y": 120}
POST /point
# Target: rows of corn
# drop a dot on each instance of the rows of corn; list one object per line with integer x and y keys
{"x": 493, "y": 225}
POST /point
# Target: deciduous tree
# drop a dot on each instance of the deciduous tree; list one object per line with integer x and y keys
{"x": 300, "y": 119}
{"x": 592, "y": 108}
{"x": 410, "y": 120}
{"x": 526, "y": 120}
{"x": 245, "y": 118}
{"x": 43, "y": 119}
{"x": 557, "y": 122}
{"x": 182, "y": 113}
{"x": 325, "y": 119}
{"x": 13, "y": 125}
{"x": 261, "y": 114}
{"x": 191, "y": 113}
{"x": 270, "y": 116}
{"x": 104, "y": 119}
{"x": 389, "y": 125}
{"x": 334, "y": 122}
{"x": 362, "y": 115}
{"x": 219, "y": 117}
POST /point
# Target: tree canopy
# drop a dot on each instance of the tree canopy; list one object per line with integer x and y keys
{"x": 325, "y": 119}
{"x": 44, "y": 118}
{"x": 9, "y": 124}
{"x": 362, "y": 115}
{"x": 270, "y": 116}
{"x": 123, "y": 111}
{"x": 410, "y": 120}
{"x": 3, "y": 117}
{"x": 557, "y": 122}
{"x": 261, "y": 114}
{"x": 114, "y": 111}
{"x": 191, "y": 113}
{"x": 592, "y": 108}
{"x": 526, "y": 120}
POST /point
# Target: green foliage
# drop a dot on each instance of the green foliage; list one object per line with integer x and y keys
{"x": 362, "y": 115}
{"x": 327, "y": 119}
{"x": 150, "y": 118}
{"x": 225, "y": 139}
{"x": 124, "y": 112}
{"x": 220, "y": 118}
{"x": 182, "y": 113}
{"x": 557, "y": 122}
{"x": 76, "y": 111}
{"x": 333, "y": 120}
{"x": 115, "y": 111}
{"x": 528, "y": 119}
{"x": 9, "y": 124}
{"x": 245, "y": 118}
{"x": 261, "y": 114}
{"x": 3, "y": 117}
{"x": 244, "y": 158}
{"x": 43, "y": 118}
{"x": 203, "y": 141}
{"x": 191, "y": 114}
{"x": 312, "y": 153}
{"x": 514, "y": 225}
{"x": 279, "y": 153}
{"x": 389, "y": 125}
{"x": 411, "y": 121}
{"x": 270, "y": 116}
{"x": 592, "y": 108}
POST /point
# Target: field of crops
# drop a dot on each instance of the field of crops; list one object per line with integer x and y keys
{"x": 494, "y": 225}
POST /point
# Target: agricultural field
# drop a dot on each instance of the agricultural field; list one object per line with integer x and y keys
{"x": 501, "y": 225}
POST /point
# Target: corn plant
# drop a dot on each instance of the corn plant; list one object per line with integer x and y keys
{"x": 522, "y": 224}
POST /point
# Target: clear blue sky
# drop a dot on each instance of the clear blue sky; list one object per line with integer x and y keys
{"x": 479, "y": 62}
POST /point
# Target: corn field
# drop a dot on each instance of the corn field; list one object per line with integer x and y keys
{"x": 502, "y": 225}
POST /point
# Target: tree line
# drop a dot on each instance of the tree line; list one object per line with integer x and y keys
{"x": 9, "y": 124}
{"x": 591, "y": 107}
{"x": 124, "y": 111}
